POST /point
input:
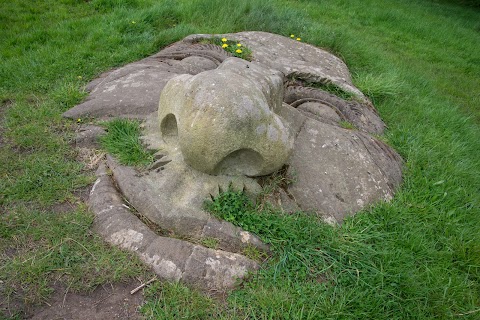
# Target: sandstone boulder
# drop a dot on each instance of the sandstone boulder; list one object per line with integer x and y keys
{"x": 224, "y": 119}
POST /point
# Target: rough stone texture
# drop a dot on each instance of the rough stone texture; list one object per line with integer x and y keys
{"x": 171, "y": 259}
{"x": 337, "y": 172}
{"x": 133, "y": 90}
{"x": 225, "y": 119}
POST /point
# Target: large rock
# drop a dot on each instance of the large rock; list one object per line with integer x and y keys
{"x": 217, "y": 123}
{"x": 225, "y": 119}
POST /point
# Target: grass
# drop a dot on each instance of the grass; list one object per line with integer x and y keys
{"x": 41, "y": 247}
{"x": 123, "y": 141}
{"x": 414, "y": 258}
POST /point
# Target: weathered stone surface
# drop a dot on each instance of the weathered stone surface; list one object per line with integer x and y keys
{"x": 323, "y": 106}
{"x": 225, "y": 119}
{"x": 171, "y": 259}
{"x": 133, "y": 90}
{"x": 337, "y": 171}
{"x": 293, "y": 58}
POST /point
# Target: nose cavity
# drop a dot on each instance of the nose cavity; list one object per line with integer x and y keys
{"x": 169, "y": 129}
{"x": 243, "y": 161}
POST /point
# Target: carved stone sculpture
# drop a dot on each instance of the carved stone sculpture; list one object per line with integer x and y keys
{"x": 219, "y": 121}
{"x": 224, "y": 119}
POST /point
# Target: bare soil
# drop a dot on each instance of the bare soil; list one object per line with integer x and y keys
{"x": 111, "y": 301}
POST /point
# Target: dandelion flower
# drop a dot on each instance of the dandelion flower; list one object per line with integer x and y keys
{"x": 292, "y": 36}
{"x": 224, "y": 45}
{"x": 224, "y": 39}
{"x": 239, "y": 44}
{"x": 238, "y": 51}
{"x": 299, "y": 39}
{"x": 79, "y": 120}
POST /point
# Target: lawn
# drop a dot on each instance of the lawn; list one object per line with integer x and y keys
{"x": 417, "y": 257}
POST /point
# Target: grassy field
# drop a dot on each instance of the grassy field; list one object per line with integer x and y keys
{"x": 417, "y": 257}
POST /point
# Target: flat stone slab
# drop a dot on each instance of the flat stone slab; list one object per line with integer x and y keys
{"x": 207, "y": 140}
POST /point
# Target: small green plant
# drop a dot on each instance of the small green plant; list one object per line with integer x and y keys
{"x": 347, "y": 125}
{"x": 254, "y": 254}
{"x": 229, "y": 205}
{"x": 237, "y": 49}
{"x": 280, "y": 179}
{"x": 159, "y": 306}
{"x": 289, "y": 235}
{"x": 379, "y": 87}
{"x": 123, "y": 141}
{"x": 209, "y": 242}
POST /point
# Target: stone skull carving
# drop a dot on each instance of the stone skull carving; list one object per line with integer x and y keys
{"x": 220, "y": 122}
{"x": 224, "y": 120}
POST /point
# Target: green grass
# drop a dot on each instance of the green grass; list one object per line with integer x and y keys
{"x": 414, "y": 258}
{"x": 123, "y": 141}
{"x": 40, "y": 247}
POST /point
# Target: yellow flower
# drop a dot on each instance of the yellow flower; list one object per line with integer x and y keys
{"x": 79, "y": 120}
{"x": 239, "y": 44}
{"x": 299, "y": 39}
{"x": 224, "y": 39}
{"x": 79, "y": 78}
{"x": 238, "y": 51}
{"x": 133, "y": 22}
{"x": 224, "y": 45}
{"x": 292, "y": 36}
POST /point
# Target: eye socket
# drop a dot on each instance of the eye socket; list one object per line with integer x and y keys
{"x": 169, "y": 128}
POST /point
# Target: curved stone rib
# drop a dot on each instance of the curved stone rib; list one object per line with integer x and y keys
{"x": 171, "y": 259}
{"x": 182, "y": 50}
{"x": 362, "y": 115}
{"x": 172, "y": 198}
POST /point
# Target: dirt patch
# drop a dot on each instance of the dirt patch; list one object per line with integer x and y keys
{"x": 79, "y": 196}
{"x": 111, "y": 301}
